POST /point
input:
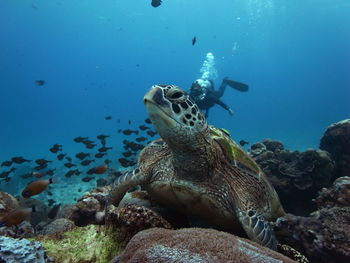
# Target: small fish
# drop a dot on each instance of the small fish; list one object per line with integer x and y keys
{"x": 100, "y": 155}
{"x": 7, "y": 173}
{"x": 36, "y": 187}
{"x": 104, "y": 149}
{"x": 40, "y": 82}
{"x": 82, "y": 155}
{"x": 98, "y": 170}
{"x": 194, "y": 39}
{"x": 68, "y": 159}
{"x": 16, "y": 217}
{"x": 108, "y": 118}
{"x": 42, "y": 161}
{"x": 156, "y": 3}
{"x": 86, "y": 162}
{"x": 6, "y": 163}
{"x": 243, "y": 142}
{"x": 61, "y": 156}
{"x": 56, "y": 148}
{"x": 148, "y": 120}
{"x": 70, "y": 173}
{"x": 25, "y": 176}
{"x": 127, "y": 154}
{"x": 141, "y": 139}
{"x": 50, "y": 172}
{"x": 51, "y": 202}
{"x": 40, "y": 167}
{"x": 125, "y": 162}
{"x": 80, "y": 139}
{"x": 87, "y": 179}
{"x": 129, "y": 121}
{"x": 69, "y": 165}
{"x": 151, "y": 133}
{"x": 107, "y": 162}
{"x": 143, "y": 127}
{"x": 102, "y": 136}
{"x": 38, "y": 175}
{"x": 90, "y": 145}
{"x": 19, "y": 160}
{"x": 53, "y": 211}
{"x": 128, "y": 132}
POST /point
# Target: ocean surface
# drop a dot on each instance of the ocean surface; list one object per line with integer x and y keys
{"x": 98, "y": 58}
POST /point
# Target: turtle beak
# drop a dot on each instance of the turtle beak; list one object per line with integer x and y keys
{"x": 156, "y": 96}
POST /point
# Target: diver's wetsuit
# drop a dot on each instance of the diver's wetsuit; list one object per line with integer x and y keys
{"x": 206, "y": 97}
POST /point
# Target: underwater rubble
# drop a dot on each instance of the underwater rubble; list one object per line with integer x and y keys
{"x": 311, "y": 185}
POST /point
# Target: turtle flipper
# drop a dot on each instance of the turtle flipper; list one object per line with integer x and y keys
{"x": 258, "y": 229}
{"x": 124, "y": 183}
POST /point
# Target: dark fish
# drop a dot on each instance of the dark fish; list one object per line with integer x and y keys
{"x": 25, "y": 176}
{"x": 40, "y": 167}
{"x": 141, "y": 139}
{"x": 61, "y": 156}
{"x": 90, "y": 145}
{"x": 7, "y": 173}
{"x": 127, "y": 154}
{"x": 156, "y": 3}
{"x": 19, "y": 160}
{"x": 36, "y": 187}
{"x": 151, "y": 133}
{"x": 98, "y": 170}
{"x": 125, "y": 162}
{"x": 102, "y": 137}
{"x": 194, "y": 41}
{"x": 53, "y": 211}
{"x": 108, "y": 118}
{"x": 243, "y": 142}
{"x": 104, "y": 149}
{"x": 148, "y": 120}
{"x": 6, "y": 163}
{"x": 101, "y": 182}
{"x": 82, "y": 155}
{"x": 38, "y": 175}
{"x": 42, "y": 161}
{"x": 107, "y": 162}
{"x": 80, "y": 139}
{"x": 128, "y": 132}
{"x": 69, "y": 165}
{"x": 129, "y": 121}
{"x": 103, "y": 142}
{"x": 100, "y": 155}
{"x": 40, "y": 82}
{"x": 50, "y": 172}
{"x": 70, "y": 173}
{"x": 87, "y": 179}
{"x": 68, "y": 159}
{"x": 49, "y": 193}
{"x": 143, "y": 127}
{"x": 55, "y": 148}
{"x": 119, "y": 130}
{"x": 86, "y": 162}
{"x": 16, "y": 217}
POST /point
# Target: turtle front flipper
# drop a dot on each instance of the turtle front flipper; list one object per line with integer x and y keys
{"x": 124, "y": 183}
{"x": 258, "y": 229}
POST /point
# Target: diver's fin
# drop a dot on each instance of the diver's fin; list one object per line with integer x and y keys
{"x": 237, "y": 85}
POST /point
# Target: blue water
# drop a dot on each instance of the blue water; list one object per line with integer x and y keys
{"x": 98, "y": 58}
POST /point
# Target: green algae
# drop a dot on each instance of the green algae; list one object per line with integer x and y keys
{"x": 98, "y": 244}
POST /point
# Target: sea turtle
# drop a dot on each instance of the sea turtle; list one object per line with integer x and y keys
{"x": 199, "y": 170}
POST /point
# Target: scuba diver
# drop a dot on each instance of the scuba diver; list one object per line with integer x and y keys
{"x": 205, "y": 96}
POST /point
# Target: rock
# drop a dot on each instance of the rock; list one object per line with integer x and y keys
{"x": 132, "y": 219}
{"x": 337, "y": 195}
{"x": 58, "y": 225}
{"x": 7, "y": 203}
{"x": 296, "y": 176}
{"x": 21, "y": 250}
{"x": 91, "y": 243}
{"x": 24, "y": 229}
{"x": 336, "y": 141}
{"x": 90, "y": 207}
{"x": 322, "y": 237}
{"x": 195, "y": 245}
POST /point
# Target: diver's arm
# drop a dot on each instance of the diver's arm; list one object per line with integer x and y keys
{"x": 219, "y": 102}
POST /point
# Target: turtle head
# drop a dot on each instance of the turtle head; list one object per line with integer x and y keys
{"x": 176, "y": 118}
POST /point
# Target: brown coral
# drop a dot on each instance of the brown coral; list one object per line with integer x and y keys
{"x": 132, "y": 219}
{"x": 195, "y": 245}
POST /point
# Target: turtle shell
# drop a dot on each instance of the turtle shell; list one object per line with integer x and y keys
{"x": 234, "y": 153}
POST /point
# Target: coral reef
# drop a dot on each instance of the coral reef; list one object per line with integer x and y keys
{"x": 336, "y": 141}
{"x": 337, "y": 195}
{"x": 24, "y": 229}
{"x": 58, "y": 225}
{"x": 194, "y": 245}
{"x": 7, "y": 203}
{"x": 132, "y": 219}
{"x": 323, "y": 237}
{"x": 21, "y": 250}
{"x": 88, "y": 244}
{"x": 297, "y": 177}
{"x": 90, "y": 207}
